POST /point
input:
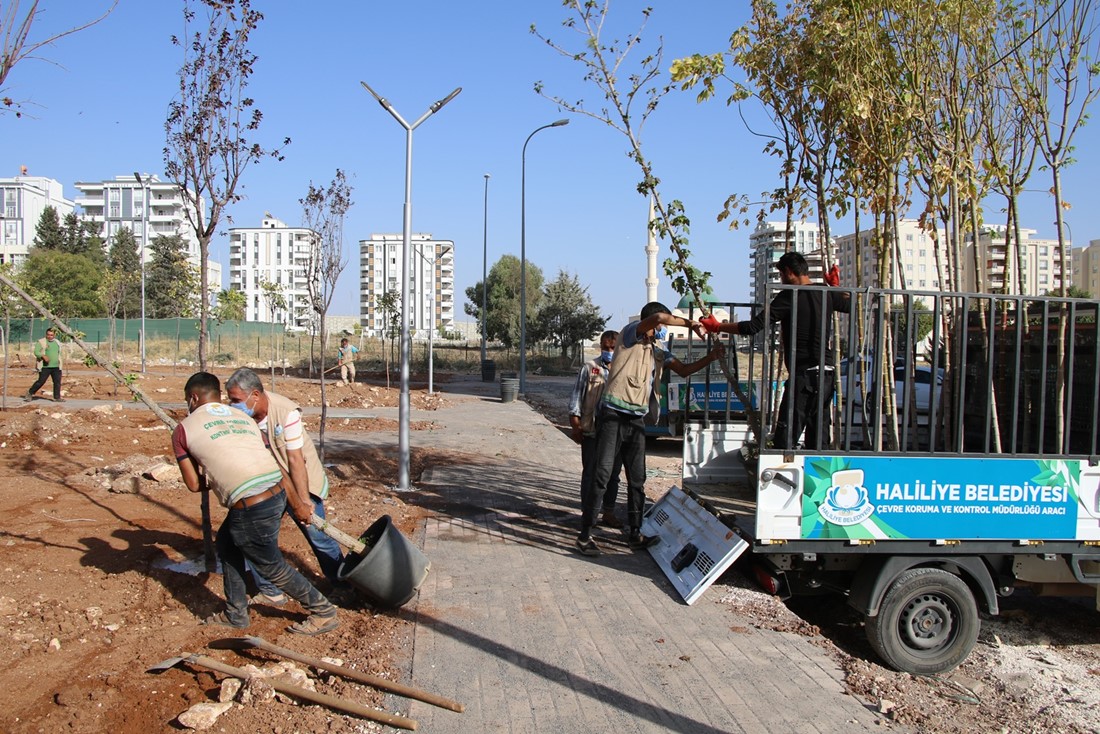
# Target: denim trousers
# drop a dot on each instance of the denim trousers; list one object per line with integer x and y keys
{"x": 620, "y": 440}
{"x": 252, "y": 534}
{"x": 588, "y": 473}
{"x": 807, "y": 388}
{"x": 329, "y": 555}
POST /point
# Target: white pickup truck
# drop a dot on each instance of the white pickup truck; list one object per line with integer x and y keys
{"x": 923, "y": 522}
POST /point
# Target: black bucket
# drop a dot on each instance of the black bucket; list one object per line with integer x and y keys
{"x": 390, "y": 569}
{"x": 488, "y": 370}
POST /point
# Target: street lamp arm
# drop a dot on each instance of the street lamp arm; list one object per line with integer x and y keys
{"x": 435, "y": 107}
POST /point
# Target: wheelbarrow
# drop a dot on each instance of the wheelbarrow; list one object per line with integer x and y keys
{"x": 383, "y": 563}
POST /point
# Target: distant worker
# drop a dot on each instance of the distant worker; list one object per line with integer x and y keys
{"x": 280, "y": 419}
{"x": 47, "y": 356}
{"x": 584, "y": 406}
{"x": 345, "y": 357}
{"x": 630, "y": 401}
{"x": 228, "y": 447}
{"x": 810, "y": 379}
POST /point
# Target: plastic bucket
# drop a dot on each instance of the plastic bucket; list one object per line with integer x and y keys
{"x": 390, "y": 569}
{"x": 509, "y": 389}
{"x": 488, "y": 370}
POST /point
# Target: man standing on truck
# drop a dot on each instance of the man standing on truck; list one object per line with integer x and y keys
{"x": 810, "y": 379}
{"x": 629, "y": 400}
{"x": 584, "y": 406}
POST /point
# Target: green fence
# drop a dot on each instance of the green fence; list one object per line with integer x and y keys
{"x": 98, "y": 331}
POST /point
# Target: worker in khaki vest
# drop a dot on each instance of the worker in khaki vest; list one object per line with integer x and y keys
{"x": 228, "y": 447}
{"x": 280, "y": 420}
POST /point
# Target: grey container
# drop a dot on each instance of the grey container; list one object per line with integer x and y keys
{"x": 509, "y": 389}
{"x": 390, "y": 569}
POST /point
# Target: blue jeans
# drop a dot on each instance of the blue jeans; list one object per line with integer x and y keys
{"x": 588, "y": 473}
{"x": 252, "y": 534}
{"x": 620, "y": 438}
{"x": 329, "y": 555}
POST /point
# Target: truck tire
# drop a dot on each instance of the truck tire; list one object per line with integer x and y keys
{"x": 927, "y": 623}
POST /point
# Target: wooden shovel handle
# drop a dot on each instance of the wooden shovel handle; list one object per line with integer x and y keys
{"x": 381, "y": 683}
{"x": 337, "y": 534}
{"x": 323, "y": 699}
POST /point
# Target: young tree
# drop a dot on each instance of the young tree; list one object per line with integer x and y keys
{"x": 15, "y": 30}
{"x": 47, "y": 233}
{"x": 389, "y": 303}
{"x": 232, "y": 306}
{"x": 503, "y": 283}
{"x": 323, "y": 212}
{"x": 212, "y": 120}
{"x": 567, "y": 315}
{"x": 273, "y": 296}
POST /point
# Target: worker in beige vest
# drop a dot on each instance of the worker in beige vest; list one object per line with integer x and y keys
{"x": 280, "y": 420}
{"x": 220, "y": 448}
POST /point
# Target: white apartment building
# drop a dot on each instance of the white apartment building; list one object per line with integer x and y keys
{"x": 1037, "y": 271}
{"x": 769, "y": 241}
{"x": 120, "y": 202}
{"x": 23, "y": 199}
{"x": 431, "y": 282}
{"x": 914, "y": 266}
{"x": 1086, "y": 268}
{"x": 272, "y": 253}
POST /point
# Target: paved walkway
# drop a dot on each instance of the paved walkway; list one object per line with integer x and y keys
{"x": 533, "y": 637}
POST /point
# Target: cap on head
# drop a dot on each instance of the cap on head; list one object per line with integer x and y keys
{"x": 654, "y": 307}
{"x": 793, "y": 262}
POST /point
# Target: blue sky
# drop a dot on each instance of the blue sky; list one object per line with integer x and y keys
{"x": 97, "y": 102}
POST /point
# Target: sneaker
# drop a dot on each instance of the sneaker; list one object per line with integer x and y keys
{"x": 314, "y": 625}
{"x": 641, "y": 542}
{"x": 609, "y": 520}
{"x": 27, "y": 398}
{"x": 221, "y": 619}
{"x": 271, "y": 601}
{"x": 587, "y": 547}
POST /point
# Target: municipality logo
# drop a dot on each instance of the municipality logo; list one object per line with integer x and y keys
{"x": 846, "y": 500}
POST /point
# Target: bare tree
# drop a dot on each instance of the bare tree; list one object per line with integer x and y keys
{"x": 211, "y": 122}
{"x": 323, "y": 211}
{"x": 15, "y": 30}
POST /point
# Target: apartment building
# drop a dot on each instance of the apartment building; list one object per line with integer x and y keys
{"x": 277, "y": 254}
{"x": 122, "y": 202}
{"x": 431, "y": 282}
{"x": 23, "y": 199}
{"x": 1086, "y": 268}
{"x": 768, "y": 242}
{"x": 914, "y": 266}
{"x": 1035, "y": 271}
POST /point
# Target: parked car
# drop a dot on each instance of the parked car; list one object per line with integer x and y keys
{"x": 922, "y": 383}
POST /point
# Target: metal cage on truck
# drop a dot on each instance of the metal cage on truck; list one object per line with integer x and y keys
{"x": 922, "y": 508}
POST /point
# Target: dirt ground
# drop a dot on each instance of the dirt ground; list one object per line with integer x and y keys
{"x": 101, "y": 583}
{"x": 101, "y": 574}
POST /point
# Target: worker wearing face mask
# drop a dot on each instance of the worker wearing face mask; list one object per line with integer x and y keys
{"x": 629, "y": 401}
{"x": 584, "y": 407}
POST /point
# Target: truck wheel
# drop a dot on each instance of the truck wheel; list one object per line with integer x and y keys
{"x": 927, "y": 622}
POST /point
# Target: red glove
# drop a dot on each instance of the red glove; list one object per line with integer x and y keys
{"x": 710, "y": 323}
{"x": 833, "y": 276}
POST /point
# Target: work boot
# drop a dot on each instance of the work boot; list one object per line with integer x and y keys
{"x": 638, "y": 541}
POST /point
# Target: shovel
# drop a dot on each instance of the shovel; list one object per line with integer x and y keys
{"x": 305, "y": 694}
{"x": 237, "y": 643}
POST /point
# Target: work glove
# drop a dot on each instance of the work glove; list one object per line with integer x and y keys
{"x": 710, "y": 323}
{"x": 833, "y": 276}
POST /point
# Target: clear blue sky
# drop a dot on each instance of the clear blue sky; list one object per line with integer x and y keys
{"x": 97, "y": 102}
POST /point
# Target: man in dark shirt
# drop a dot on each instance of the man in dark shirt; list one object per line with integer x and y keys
{"x": 807, "y": 352}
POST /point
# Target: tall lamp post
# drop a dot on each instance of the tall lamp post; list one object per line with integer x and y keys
{"x": 144, "y": 245}
{"x": 523, "y": 257}
{"x": 406, "y": 267}
{"x": 484, "y": 279}
{"x": 431, "y": 320}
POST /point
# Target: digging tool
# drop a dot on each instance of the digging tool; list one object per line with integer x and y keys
{"x": 400, "y": 689}
{"x": 305, "y": 694}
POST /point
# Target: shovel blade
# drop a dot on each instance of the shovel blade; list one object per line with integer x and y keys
{"x": 166, "y": 664}
{"x": 232, "y": 643}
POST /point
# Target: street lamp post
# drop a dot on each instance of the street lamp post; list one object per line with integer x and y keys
{"x": 484, "y": 279}
{"x": 523, "y": 257}
{"x": 406, "y": 266}
{"x": 431, "y": 320}
{"x": 144, "y": 245}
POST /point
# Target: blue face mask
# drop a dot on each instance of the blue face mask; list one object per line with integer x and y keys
{"x": 606, "y": 356}
{"x": 661, "y": 334}
{"x": 243, "y": 407}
